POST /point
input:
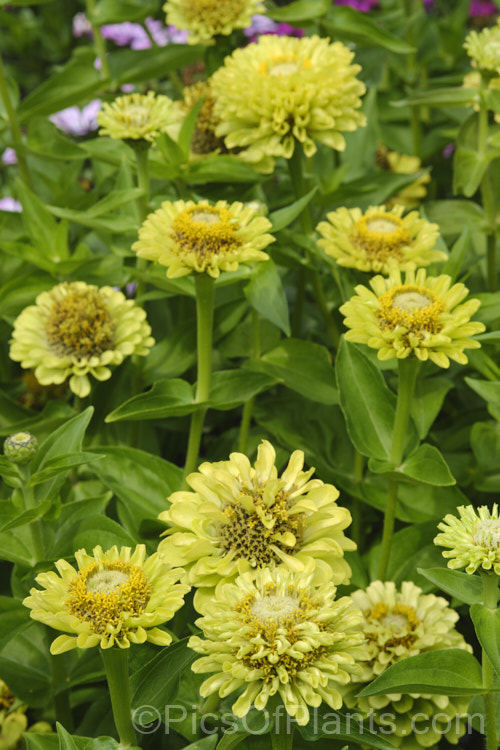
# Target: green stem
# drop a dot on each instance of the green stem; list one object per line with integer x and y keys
{"x": 61, "y": 701}
{"x": 487, "y": 196}
{"x": 141, "y": 151}
{"x": 356, "y": 527}
{"x": 99, "y": 43}
{"x": 490, "y": 599}
{"x": 35, "y": 527}
{"x": 282, "y": 741}
{"x": 14, "y": 126}
{"x": 408, "y": 369}
{"x": 246, "y": 417}
{"x": 116, "y": 665}
{"x": 319, "y": 295}
{"x": 205, "y": 295}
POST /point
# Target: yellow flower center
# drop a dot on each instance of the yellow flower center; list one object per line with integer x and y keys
{"x": 80, "y": 324}
{"x": 213, "y": 13}
{"x": 380, "y": 236}
{"x": 394, "y": 626}
{"x": 135, "y": 116}
{"x": 204, "y": 140}
{"x": 274, "y": 622}
{"x": 283, "y": 65}
{"x": 254, "y": 534}
{"x": 492, "y": 49}
{"x": 6, "y": 697}
{"x": 206, "y": 231}
{"x": 104, "y": 593}
{"x": 488, "y": 533}
{"x": 415, "y": 308}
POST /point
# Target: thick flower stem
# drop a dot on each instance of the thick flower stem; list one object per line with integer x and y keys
{"x": 99, "y": 43}
{"x": 116, "y": 665}
{"x": 205, "y": 295}
{"x": 60, "y": 680}
{"x": 14, "y": 126}
{"x": 246, "y": 417}
{"x": 490, "y": 599}
{"x": 282, "y": 740}
{"x": 408, "y": 369}
{"x": 141, "y": 151}
{"x": 35, "y": 527}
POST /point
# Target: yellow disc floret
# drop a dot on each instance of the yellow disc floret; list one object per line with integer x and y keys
{"x": 138, "y": 117}
{"x": 80, "y": 324}
{"x": 205, "y": 19}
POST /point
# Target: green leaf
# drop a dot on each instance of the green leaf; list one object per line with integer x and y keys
{"x": 302, "y": 366}
{"x": 58, "y": 464}
{"x": 265, "y": 293}
{"x": 487, "y": 390}
{"x": 469, "y": 168}
{"x": 367, "y": 403}
{"x": 455, "y": 96}
{"x": 466, "y": 588}
{"x": 455, "y": 262}
{"x": 220, "y": 168}
{"x": 413, "y": 547}
{"x": 48, "y": 235}
{"x": 155, "y": 684}
{"x": 131, "y": 66}
{"x": 255, "y": 723}
{"x": 166, "y": 398}
{"x": 12, "y": 518}
{"x": 300, "y": 10}
{"x": 354, "y": 26}
{"x": 425, "y": 465}
{"x": 14, "y": 617}
{"x": 282, "y": 217}
{"x": 455, "y": 216}
{"x": 93, "y": 531}
{"x": 341, "y": 725}
{"x": 116, "y": 11}
{"x": 487, "y": 626}
{"x": 78, "y": 80}
{"x": 25, "y": 666}
{"x": 427, "y": 402}
{"x": 66, "y": 439}
{"x": 448, "y": 672}
{"x": 232, "y": 388}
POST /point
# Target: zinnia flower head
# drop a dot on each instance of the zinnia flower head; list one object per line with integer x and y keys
{"x": 378, "y": 239}
{"x": 115, "y": 598}
{"x": 204, "y": 141}
{"x": 473, "y": 538}
{"x": 421, "y": 317}
{"x": 240, "y": 517}
{"x": 137, "y": 117}
{"x": 398, "y": 624}
{"x": 205, "y": 19}
{"x": 282, "y": 90}
{"x": 75, "y": 330}
{"x": 484, "y": 48}
{"x": 276, "y": 633}
{"x": 392, "y": 161}
{"x": 192, "y": 237}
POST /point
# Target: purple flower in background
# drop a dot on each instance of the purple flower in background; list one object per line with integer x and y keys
{"x": 482, "y": 8}
{"x": 265, "y": 25}
{"x": 9, "y": 157}
{"x": 364, "y": 5}
{"x": 134, "y": 35}
{"x": 81, "y": 25}
{"x": 76, "y": 121}
{"x": 448, "y": 150}
{"x": 10, "y": 204}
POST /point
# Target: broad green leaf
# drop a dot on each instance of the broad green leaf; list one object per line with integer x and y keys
{"x": 155, "y": 684}
{"x": 13, "y": 618}
{"x": 232, "y": 388}
{"x": 455, "y": 263}
{"x": 469, "y": 169}
{"x": 78, "y": 80}
{"x": 456, "y": 96}
{"x": 446, "y": 672}
{"x": 25, "y": 665}
{"x": 425, "y": 465}
{"x": 207, "y": 743}
{"x": 166, "y": 398}
{"x": 92, "y": 531}
{"x": 366, "y": 402}
{"x": 347, "y": 23}
{"x": 66, "y": 439}
{"x": 455, "y": 216}
{"x": 487, "y": 626}
{"x": 12, "y": 518}
{"x": 118, "y": 223}
{"x": 342, "y": 725}
{"x": 46, "y": 140}
{"x": 427, "y": 402}
{"x": 254, "y": 723}
{"x": 117, "y": 11}
{"x": 487, "y": 390}
{"x": 266, "y": 295}
{"x": 131, "y": 66}
{"x": 302, "y": 366}
{"x": 466, "y": 588}
{"x": 300, "y": 10}
{"x": 412, "y": 548}
{"x": 61, "y": 464}
{"x": 282, "y": 217}
{"x": 48, "y": 235}
{"x": 220, "y": 168}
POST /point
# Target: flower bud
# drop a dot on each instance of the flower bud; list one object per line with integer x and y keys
{"x": 20, "y": 447}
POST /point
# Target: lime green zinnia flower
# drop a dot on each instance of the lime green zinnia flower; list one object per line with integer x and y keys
{"x": 276, "y": 633}
{"x": 138, "y": 117}
{"x": 421, "y": 318}
{"x": 116, "y": 598}
{"x": 281, "y": 90}
{"x": 242, "y": 517}
{"x": 399, "y": 624}
{"x": 474, "y": 538}
{"x": 484, "y": 48}
{"x": 205, "y": 19}
{"x": 76, "y": 330}
{"x": 192, "y": 237}
{"x": 378, "y": 240}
